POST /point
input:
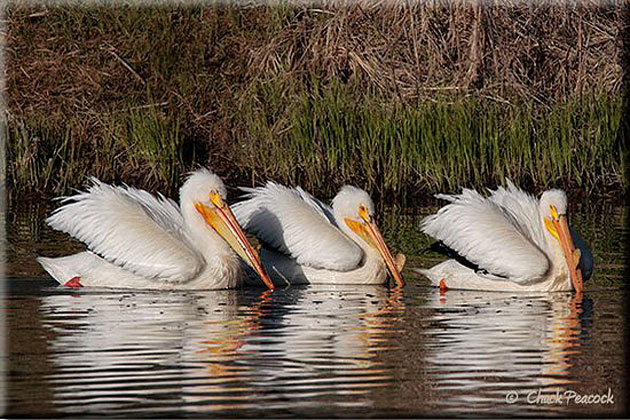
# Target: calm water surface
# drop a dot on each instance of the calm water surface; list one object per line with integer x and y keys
{"x": 313, "y": 351}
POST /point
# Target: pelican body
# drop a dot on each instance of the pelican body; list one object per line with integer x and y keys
{"x": 140, "y": 241}
{"x": 508, "y": 241}
{"x": 307, "y": 241}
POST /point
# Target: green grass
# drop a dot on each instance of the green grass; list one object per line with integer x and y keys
{"x": 325, "y": 139}
{"x": 137, "y": 144}
{"x": 39, "y": 156}
{"x": 155, "y": 143}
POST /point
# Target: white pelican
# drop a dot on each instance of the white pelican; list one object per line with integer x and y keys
{"x": 137, "y": 240}
{"x": 509, "y": 241}
{"x": 306, "y": 241}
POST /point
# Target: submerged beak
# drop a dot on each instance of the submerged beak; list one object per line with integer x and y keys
{"x": 571, "y": 254}
{"x": 369, "y": 231}
{"x": 222, "y": 220}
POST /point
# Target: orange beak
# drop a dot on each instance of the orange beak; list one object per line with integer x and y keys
{"x": 571, "y": 254}
{"x": 379, "y": 241}
{"x": 224, "y": 223}
{"x": 370, "y": 233}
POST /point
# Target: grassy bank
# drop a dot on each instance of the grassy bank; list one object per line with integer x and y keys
{"x": 324, "y": 140}
{"x": 403, "y": 100}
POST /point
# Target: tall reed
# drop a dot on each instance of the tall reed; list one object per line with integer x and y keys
{"x": 327, "y": 138}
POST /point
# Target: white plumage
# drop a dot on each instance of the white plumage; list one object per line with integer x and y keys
{"x": 137, "y": 240}
{"x": 307, "y": 241}
{"x": 507, "y": 237}
{"x": 279, "y": 216}
{"x": 111, "y": 221}
{"x": 488, "y": 235}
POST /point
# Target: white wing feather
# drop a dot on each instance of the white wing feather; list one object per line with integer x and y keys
{"x": 523, "y": 209}
{"x": 486, "y": 234}
{"x": 131, "y": 228}
{"x": 297, "y": 224}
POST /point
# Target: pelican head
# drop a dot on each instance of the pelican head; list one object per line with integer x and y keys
{"x": 553, "y": 207}
{"x": 207, "y": 193}
{"x": 354, "y": 208}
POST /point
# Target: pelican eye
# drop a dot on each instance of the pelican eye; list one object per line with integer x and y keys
{"x": 554, "y": 212}
{"x": 216, "y": 199}
{"x": 364, "y": 213}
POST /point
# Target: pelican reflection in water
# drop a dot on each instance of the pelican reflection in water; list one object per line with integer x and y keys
{"x": 324, "y": 345}
{"x": 140, "y": 347}
{"x": 491, "y": 343}
{"x": 220, "y": 350}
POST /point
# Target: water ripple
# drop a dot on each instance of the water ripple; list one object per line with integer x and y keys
{"x": 316, "y": 351}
